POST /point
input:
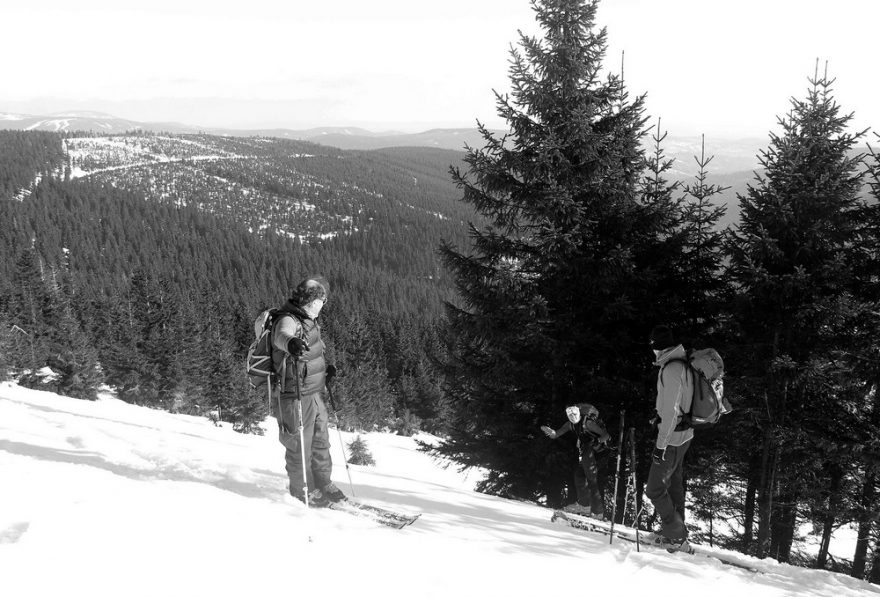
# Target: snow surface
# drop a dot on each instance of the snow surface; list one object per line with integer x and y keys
{"x": 106, "y": 499}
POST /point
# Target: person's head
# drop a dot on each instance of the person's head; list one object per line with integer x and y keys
{"x": 311, "y": 294}
{"x": 661, "y": 339}
{"x": 582, "y": 410}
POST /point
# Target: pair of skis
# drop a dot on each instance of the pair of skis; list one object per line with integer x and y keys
{"x": 593, "y": 525}
{"x": 383, "y": 516}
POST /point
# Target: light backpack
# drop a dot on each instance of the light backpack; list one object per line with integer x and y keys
{"x": 709, "y": 403}
{"x": 259, "y": 365}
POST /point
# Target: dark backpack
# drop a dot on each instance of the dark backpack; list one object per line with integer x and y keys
{"x": 259, "y": 366}
{"x": 708, "y": 403}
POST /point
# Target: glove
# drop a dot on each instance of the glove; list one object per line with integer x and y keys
{"x": 659, "y": 455}
{"x": 330, "y": 373}
{"x": 548, "y": 432}
{"x": 296, "y": 347}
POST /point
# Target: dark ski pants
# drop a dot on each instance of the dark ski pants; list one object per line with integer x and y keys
{"x": 586, "y": 482}
{"x": 316, "y": 437}
{"x": 665, "y": 486}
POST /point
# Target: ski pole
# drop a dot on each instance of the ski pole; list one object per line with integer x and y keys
{"x": 632, "y": 473}
{"x": 616, "y": 477}
{"x": 341, "y": 443}
{"x": 302, "y": 433}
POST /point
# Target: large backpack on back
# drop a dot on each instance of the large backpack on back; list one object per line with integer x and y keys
{"x": 709, "y": 403}
{"x": 258, "y": 365}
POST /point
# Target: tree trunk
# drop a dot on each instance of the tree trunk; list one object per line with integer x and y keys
{"x": 874, "y": 578}
{"x": 868, "y": 507}
{"x": 784, "y": 521}
{"x": 765, "y": 507}
{"x": 860, "y": 557}
{"x": 834, "y": 500}
{"x": 749, "y": 508}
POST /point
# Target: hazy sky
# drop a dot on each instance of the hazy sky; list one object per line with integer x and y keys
{"x": 723, "y": 68}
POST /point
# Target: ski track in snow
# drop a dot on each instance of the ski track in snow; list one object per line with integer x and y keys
{"x": 105, "y": 498}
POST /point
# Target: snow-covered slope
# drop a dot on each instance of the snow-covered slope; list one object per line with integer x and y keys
{"x": 106, "y": 499}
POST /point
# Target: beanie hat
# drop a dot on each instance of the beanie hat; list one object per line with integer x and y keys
{"x": 662, "y": 338}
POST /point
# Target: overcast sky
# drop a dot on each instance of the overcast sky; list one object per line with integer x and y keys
{"x": 722, "y": 68}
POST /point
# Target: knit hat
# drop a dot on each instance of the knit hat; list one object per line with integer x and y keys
{"x": 662, "y": 338}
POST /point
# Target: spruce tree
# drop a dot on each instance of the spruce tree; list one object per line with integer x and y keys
{"x": 703, "y": 255}
{"x": 7, "y": 346}
{"x": 118, "y": 346}
{"x": 30, "y": 309}
{"x": 658, "y": 253}
{"x": 865, "y": 356}
{"x": 361, "y": 389}
{"x": 547, "y": 313}
{"x": 74, "y": 358}
{"x": 359, "y": 453}
{"x": 792, "y": 260}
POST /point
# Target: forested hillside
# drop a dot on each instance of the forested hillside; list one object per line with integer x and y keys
{"x": 155, "y": 253}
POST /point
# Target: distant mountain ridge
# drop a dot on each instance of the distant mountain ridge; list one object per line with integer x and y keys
{"x": 83, "y": 121}
{"x": 731, "y": 155}
{"x": 340, "y": 137}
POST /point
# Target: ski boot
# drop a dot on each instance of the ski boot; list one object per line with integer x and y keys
{"x": 674, "y": 545}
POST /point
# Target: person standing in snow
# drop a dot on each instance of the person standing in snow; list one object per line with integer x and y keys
{"x": 675, "y": 390}
{"x": 304, "y": 374}
{"x": 592, "y": 438}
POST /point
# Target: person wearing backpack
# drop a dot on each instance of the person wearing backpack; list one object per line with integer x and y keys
{"x": 298, "y": 358}
{"x": 675, "y": 388}
{"x": 592, "y": 439}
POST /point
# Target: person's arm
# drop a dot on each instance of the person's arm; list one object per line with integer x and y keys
{"x": 286, "y": 336}
{"x": 559, "y": 432}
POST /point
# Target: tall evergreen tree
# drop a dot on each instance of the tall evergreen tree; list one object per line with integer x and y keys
{"x": 865, "y": 355}
{"x": 30, "y": 309}
{"x": 792, "y": 260}
{"x": 362, "y": 392}
{"x": 7, "y": 346}
{"x": 659, "y": 253}
{"x": 703, "y": 254}
{"x": 702, "y": 293}
{"x": 73, "y": 356}
{"x": 549, "y": 292}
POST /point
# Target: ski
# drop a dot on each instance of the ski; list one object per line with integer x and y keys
{"x": 383, "y": 516}
{"x": 586, "y": 523}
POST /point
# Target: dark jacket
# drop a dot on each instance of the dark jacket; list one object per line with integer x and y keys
{"x": 589, "y": 433}
{"x": 312, "y": 365}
